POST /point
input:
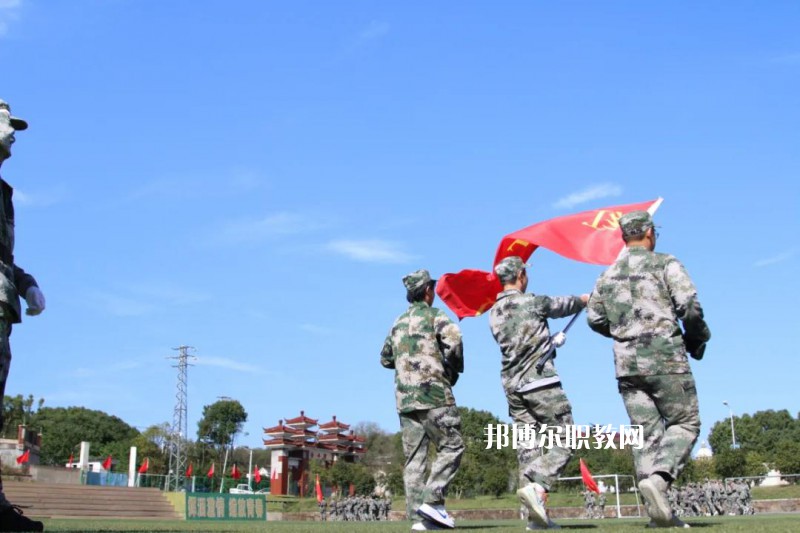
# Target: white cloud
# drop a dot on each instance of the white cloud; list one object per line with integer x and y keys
{"x": 317, "y": 330}
{"x": 105, "y": 369}
{"x": 374, "y": 30}
{"x": 268, "y": 227}
{"x": 597, "y": 192}
{"x": 169, "y": 294}
{"x": 122, "y": 305}
{"x": 370, "y": 251}
{"x": 230, "y": 364}
{"x": 780, "y": 258}
{"x": 787, "y": 59}
{"x": 237, "y": 181}
{"x": 39, "y": 199}
{"x": 9, "y": 12}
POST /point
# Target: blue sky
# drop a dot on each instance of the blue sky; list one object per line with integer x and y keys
{"x": 254, "y": 179}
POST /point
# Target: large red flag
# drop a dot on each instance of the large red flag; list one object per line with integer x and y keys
{"x": 24, "y": 458}
{"x": 257, "y": 474}
{"x": 319, "y": 490}
{"x": 588, "y": 480}
{"x": 189, "y": 471}
{"x": 591, "y": 237}
{"x": 145, "y": 466}
{"x": 235, "y": 474}
{"x": 211, "y": 471}
{"x": 107, "y": 463}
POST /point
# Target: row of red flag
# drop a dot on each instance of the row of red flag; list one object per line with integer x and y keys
{"x": 236, "y": 473}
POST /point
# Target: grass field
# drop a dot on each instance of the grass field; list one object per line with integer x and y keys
{"x": 743, "y": 524}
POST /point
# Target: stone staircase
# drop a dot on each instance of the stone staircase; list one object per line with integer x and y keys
{"x": 50, "y": 500}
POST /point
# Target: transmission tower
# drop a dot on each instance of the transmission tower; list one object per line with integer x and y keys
{"x": 179, "y": 430}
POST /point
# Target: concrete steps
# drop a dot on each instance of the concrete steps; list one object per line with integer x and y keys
{"x": 45, "y": 500}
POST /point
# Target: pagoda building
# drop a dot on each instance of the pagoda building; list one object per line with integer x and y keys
{"x": 296, "y": 441}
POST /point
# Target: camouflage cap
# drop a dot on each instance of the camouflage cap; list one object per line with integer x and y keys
{"x": 417, "y": 279}
{"x": 509, "y": 267}
{"x": 16, "y": 123}
{"x": 635, "y": 223}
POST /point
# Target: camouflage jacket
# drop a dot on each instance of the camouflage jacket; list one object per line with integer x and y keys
{"x": 519, "y": 324}
{"x": 638, "y": 301}
{"x": 424, "y": 348}
{"x": 14, "y": 282}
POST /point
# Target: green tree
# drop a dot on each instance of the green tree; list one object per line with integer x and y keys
{"x": 64, "y": 428}
{"x": 787, "y": 457}
{"x": 152, "y": 443}
{"x": 760, "y": 432}
{"x": 482, "y": 470}
{"x": 221, "y": 422}
{"x": 731, "y": 463}
{"x": 18, "y": 411}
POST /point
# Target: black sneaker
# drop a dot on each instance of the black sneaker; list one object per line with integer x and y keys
{"x": 11, "y": 519}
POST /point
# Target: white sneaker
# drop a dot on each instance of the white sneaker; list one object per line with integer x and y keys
{"x": 532, "y": 496}
{"x": 659, "y": 508}
{"x": 437, "y": 515}
{"x": 425, "y": 525}
{"x": 533, "y": 526}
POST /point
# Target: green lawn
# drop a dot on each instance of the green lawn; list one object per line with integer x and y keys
{"x": 746, "y": 524}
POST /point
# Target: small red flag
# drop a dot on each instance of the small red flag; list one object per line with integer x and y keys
{"x": 319, "y": 490}
{"x": 69, "y": 463}
{"x": 235, "y": 474}
{"x": 257, "y": 474}
{"x": 24, "y": 458}
{"x": 588, "y": 480}
{"x": 591, "y": 237}
{"x": 145, "y": 465}
{"x": 211, "y": 471}
{"x": 189, "y": 471}
{"x": 107, "y": 463}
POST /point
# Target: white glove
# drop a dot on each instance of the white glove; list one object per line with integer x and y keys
{"x": 35, "y": 299}
{"x": 559, "y": 339}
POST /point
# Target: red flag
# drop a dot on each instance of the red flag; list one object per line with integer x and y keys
{"x": 189, "y": 471}
{"x": 235, "y": 474}
{"x": 69, "y": 463}
{"x": 107, "y": 463}
{"x": 319, "y": 490}
{"x": 24, "y": 458}
{"x": 257, "y": 474}
{"x": 145, "y": 465}
{"x": 590, "y": 237}
{"x": 588, "y": 480}
{"x": 211, "y": 471}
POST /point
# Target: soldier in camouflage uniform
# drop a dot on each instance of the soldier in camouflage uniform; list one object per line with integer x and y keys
{"x": 425, "y": 349}
{"x": 14, "y": 282}
{"x": 638, "y": 301}
{"x": 519, "y": 325}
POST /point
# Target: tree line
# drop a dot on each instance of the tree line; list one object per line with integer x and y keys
{"x": 765, "y": 440}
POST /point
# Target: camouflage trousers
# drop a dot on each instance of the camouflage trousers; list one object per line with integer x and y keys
{"x": 442, "y": 428}
{"x": 5, "y": 364}
{"x": 666, "y": 407}
{"x": 538, "y": 407}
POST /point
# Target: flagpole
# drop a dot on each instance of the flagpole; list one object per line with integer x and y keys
{"x": 224, "y": 466}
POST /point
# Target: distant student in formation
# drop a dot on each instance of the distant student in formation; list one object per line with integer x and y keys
{"x": 425, "y": 349}
{"x": 639, "y": 301}
{"x": 14, "y": 282}
{"x": 519, "y": 325}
